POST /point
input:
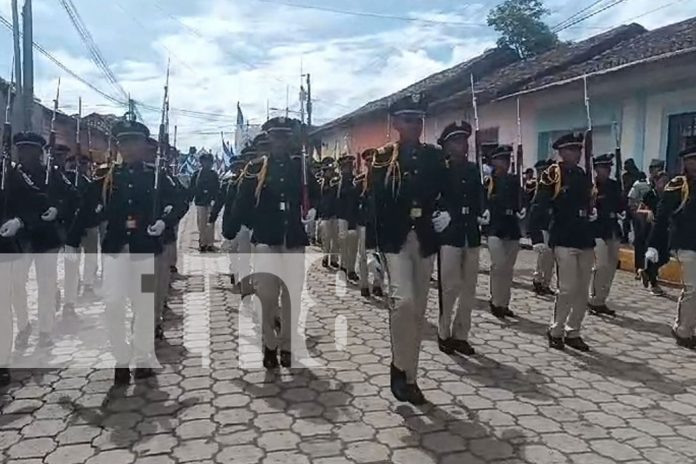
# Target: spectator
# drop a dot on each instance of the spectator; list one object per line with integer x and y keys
{"x": 635, "y": 199}
{"x": 646, "y": 217}
{"x": 628, "y": 178}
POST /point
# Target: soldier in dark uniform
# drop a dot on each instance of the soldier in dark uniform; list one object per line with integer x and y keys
{"x": 645, "y": 219}
{"x": 326, "y": 211}
{"x": 611, "y": 207}
{"x": 205, "y": 185}
{"x": 458, "y": 261}
{"x": 44, "y": 240}
{"x": 22, "y": 205}
{"x": 676, "y": 222}
{"x": 136, "y": 215}
{"x": 566, "y": 190}
{"x": 406, "y": 181}
{"x": 503, "y": 199}
{"x": 347, "y": 197}
{"x": 367, "y": 240}
{"x": 271, "y": 193}
{"x": 545, "y": 262}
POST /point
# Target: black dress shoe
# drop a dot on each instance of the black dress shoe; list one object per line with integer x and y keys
{"x": 555, "y": 342}
{"x": 159, "y": 332}
{"x": 463, "y": 347}
{"x": 538, "y": 288}
{"x": 399, "y": 388}
{"x": 286, "y": 359}
{"x": 601, "y": 310}
{"x": 173, "y": 269}
{"x": 276, "y": 324}
{"x": 365, "y": 292}
{"x": 377, "y": 291}
{"x": 143, "y": 373}
{"x": 353, "y": 276}
{"x": 689, "y": 343}
{"x": 270, "y": 358}
{"x": 577, "y": 343}
{"x": 5, "y": 377}
{"x": 232, "y": 279}
{"x": 334, "y": 264}
{"x": 549, "y": 291}
{"x": 122, "y": 376}
{"x": 507, "y": 312}
{"x": 415, "y": 395}
{"x": 498, "y": 311}
{"x": 325, "y": 262}
{"x": 445, "y": 345}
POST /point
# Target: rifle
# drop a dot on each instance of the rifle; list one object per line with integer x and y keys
{"x": 161, "y": 149}
{"x": 52, "y": 136}
{"x": 617, "y": 155}
{"x": 520, "y": 150}
{"x": 477, "y": 129}
{"x": 587, "y": 146}
{"x": 305, "y": 183}
{"x": 78, "y": 143}
{"x": 6, "y": 144}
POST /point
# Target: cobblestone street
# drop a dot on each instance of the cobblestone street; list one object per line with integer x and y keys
{"x": 630, "y": 400}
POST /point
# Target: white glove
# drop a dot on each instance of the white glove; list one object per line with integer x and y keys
{"x": 99, "y": 208}
{"x": 156, "y": 229}
{"x": 593, "y": 215}
{"x": 441, "y": 220}
{"x": 622, "y": 215}
{"x": 10, "y": 228}
{"x": 310, "y": 216}
{"x": 50, "y": 214}
{"x": 72, "y": 254}
{"x": 168, "y": 209}
{"x": 652, "y": 255}
{"x": 541, "y": 247}
{"x": 545, "y": 235}
{"x": 485, "y": 218}
{"x": 522, "y": 214}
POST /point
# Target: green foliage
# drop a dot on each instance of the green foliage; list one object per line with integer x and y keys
{"x": 521, "y": 27}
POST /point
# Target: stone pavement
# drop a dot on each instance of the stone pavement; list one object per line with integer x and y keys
{"x": 631, "y": 400}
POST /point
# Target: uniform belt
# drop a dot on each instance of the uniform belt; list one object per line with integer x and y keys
{"x": 466, "y": 210}
{"x": 509, "y": 212}
{"x": 612, "y": 215}
{"x": 582, "y": 213}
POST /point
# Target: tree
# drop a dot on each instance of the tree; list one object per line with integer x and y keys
{"x": 521, "y": 27}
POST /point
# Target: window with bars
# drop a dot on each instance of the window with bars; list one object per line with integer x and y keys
{"x": 681, "y": 126}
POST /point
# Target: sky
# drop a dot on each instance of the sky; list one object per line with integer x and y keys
{"x": 254, "y": 52}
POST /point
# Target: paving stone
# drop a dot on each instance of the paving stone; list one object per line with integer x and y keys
{"x": 196, "y": 429}
{"x": 278, "y": 441}
{"x": 614, "y": 450}
{"x": 155, "y": 444}
{"x": 543, "y": 455}
{"x": 195, "y": 450}
{"x": 364, "y": 452}
{"x": 76, "y": 434}
{"x": 245, "y": 454}
{"x": 413, "y": 455}
{"x": 32, "y": 448}
{"x": 72, "y": 454}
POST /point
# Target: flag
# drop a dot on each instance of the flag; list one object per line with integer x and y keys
{"x": 240, "y": 116}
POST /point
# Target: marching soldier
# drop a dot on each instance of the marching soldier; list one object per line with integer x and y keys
{"x": 607, "y": 232}
{"x": 676, "y": 219}
{"x": 205, "y": 185}
{"x": 271, "y": 193}
{"x": 543, "y": 272}
{"x": 366, "y": 231}
{"x": 328, "y": 192}
{"x": 566, "y": 190}
{"x": 44, "y": 240}
{"x": 458, "y": 261}
{"x": 407, "y": 180}
{"x": 136, "y": 215}
{"x": 347, "y": 216}
{"x": 503, "y": 199}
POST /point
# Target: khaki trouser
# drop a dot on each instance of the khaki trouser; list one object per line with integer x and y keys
{"x": 364, "y": 267}
{"x": 72, "y": 267}
{"x": 6, "y": 323}
{"x": 458, "y": 275}
{"x": 606, "y": 261}
{"x": 162, "y": 279}
{"x": 574, "y": 273}
{"x": 46, "y": 265}
{"x": 124, "y": 274}
{"x": 329, "y": 238}
{"x": 685, "y": 323}
{"x": 409, "y": 281}
{"x": 503, "y": 257}
{"x": 544, "y": 267}
{"x": 348, "y": 243}
{"x": 278, "y": 283}
{"x": 206, "y": 232}
{"x": 243, "y": 262}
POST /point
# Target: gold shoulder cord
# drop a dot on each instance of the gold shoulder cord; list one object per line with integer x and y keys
{"x": 680, "y": 183}
{"x": 108, "y": 187}
{"x": 261, "y": 179}
{"x": 552, "y": 176}
{"x": 393, "y": 168}
{"x": 488, "y": 185}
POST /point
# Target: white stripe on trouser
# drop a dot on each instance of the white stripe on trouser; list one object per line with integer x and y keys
{"x": 367, "y": 263}
{"x": 409, "y": 282}
{"x": 458, "y": 277}
{"x": 124, "y": 273}
{"x": 6, "y": 324}
{"x": 543, "y": 272}
{"x": 348, "y": 242}
{"x": 277, "y": 285}
{"x": 329, "y": 237}
{"x": 606, "y": 261}
{"x": 206, "y": 232}
{"x": 46, "y": 280}
{"x": 574, "y": 267}
{"x": 162, "y": 277}
{"x": 243, "y": 259}
{"x": 72, "y": 267}
{"x": 685, "y": 323}
{"x": 503, "y": 257}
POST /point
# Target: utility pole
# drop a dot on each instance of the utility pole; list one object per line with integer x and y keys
{"x": 17, "y": 52}
{"x": 287, "y": 101}
{"x": 28, "y": 75}
{"x": 309, "y": 100}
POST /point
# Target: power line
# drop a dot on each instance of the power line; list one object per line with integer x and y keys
{"x": 590, "y": 15}
{"x": 576, "y": 14}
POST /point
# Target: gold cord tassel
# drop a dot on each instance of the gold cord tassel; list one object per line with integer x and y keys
{"x": 261, "y": 179}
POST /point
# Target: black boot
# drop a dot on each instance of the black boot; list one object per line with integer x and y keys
{"x": 399, "y": 387}
{"x": 143, "y": 373}
{"x": 159, "y": 332}
{"x": 334, "y": 264}
{"x": 601, "y": 310}
{"x": 377, "y": 291}
{"x": 508, "y": 312}
{"x": 463, "y": 347}
{"x": 122, "y": 376}
{"x": 353, "y": 277}
{"x": 555, "y": 342}
{"x": 325, "y": 262}
{"x": 5, "y": 377}
{"x": 270, "y": 358}
{"x": 538, "y": 288}
{"x": 445, "y": 345}
{"x": 549, "y": 291}
{"x": 415, "y": 395}
{"x": 232, "y": 279}
{"x": 365, "y": 292}
{"x": 577, "y": 343}
{"x": 497, "y": 311}
{"x": 286, "y": 359}
{"x": 689, "y": 343}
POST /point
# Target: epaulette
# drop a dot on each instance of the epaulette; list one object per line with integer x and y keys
{"x": 488, "y": 185}
{"x": 386, "y": 149}
{"x": 253, "y": 168}
{"x": 676, "y": 184}
{"x": 383, "y": 156}
{"x": 552, "y": 177}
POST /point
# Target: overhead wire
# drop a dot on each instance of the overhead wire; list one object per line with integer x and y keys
{"x": 589, "y": 15}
